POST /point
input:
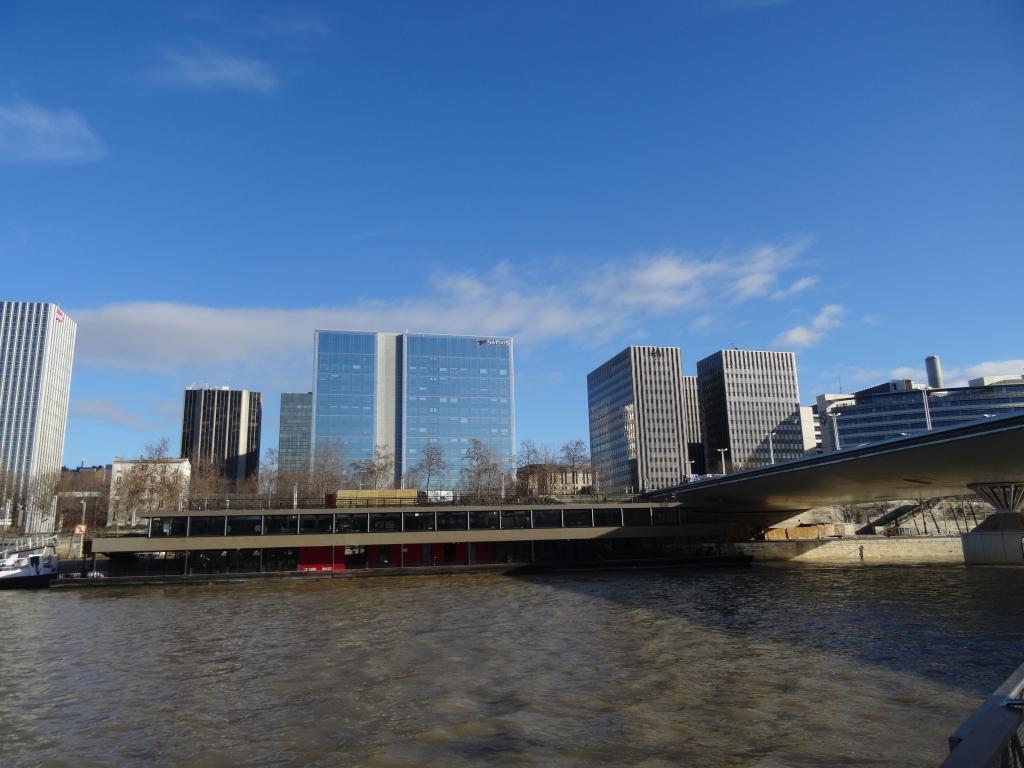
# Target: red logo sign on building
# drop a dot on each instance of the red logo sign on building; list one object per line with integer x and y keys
{"x": 58, "y": 315}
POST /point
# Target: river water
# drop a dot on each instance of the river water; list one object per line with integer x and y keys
{"x": 766, "y": 666}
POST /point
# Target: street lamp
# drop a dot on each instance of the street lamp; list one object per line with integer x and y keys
{"x": 722, "y": 452}
{"x": 771, "y": 446}
{"x": 835, "y": 427}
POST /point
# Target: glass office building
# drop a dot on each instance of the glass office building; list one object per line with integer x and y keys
{"x": 901, "y": 408}
{"x": 296, "y": 425}
{"x": 398, "y": 393}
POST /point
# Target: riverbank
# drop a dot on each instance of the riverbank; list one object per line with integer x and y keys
{"x": 867, "y": 550}
{"x": 854, "y": 550}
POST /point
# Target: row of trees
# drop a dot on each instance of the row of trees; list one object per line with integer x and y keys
{"x": 480, "y": 472}
{"x": 544, "y": 463}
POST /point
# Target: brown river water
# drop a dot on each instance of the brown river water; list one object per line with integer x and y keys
{"x": 763, "y": 666}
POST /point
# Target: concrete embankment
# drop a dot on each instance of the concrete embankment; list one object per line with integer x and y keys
{"x": 878, "y": 550}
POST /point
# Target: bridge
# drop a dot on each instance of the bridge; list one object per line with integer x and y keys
{"x": 986, "y": 458}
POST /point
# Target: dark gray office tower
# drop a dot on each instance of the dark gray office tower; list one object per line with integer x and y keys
{"x": 293, "y": 441}
{"x": 221, "y": 428}
{"x": 691, "y": 413}
{"x": 637, "y": 431}
{"x": 750, "y": 409}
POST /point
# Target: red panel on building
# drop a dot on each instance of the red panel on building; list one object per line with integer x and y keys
{"x": 316, "y": 558}
{"x": 413, "y": 554}
{"x": 339, "y": 558}
{"x": 437, "y": 554}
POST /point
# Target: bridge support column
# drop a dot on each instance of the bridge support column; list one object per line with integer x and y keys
{"x": 1005, "y": 497}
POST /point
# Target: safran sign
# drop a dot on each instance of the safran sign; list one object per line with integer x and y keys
{"x": 493, "y": 342}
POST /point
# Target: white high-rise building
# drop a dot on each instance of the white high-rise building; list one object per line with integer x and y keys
{"x": 37, "y": 347}
{"x": 637, "y": 425}
{"x": 750, "y": 409}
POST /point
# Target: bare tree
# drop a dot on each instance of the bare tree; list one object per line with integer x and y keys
{"x": 431, "y": 464}
{"x": 153, "y": 483}
{"x": 269, "y": 473}
{"x": 538, "y": 465}
{"x": 328, "y": 473}
{"x": 26, "y": 500}
{"x": 574, "y": 458}
{"x": 377, "y": 471}
{"x": 481, "y": 475}
{"x": 208, "y": 482}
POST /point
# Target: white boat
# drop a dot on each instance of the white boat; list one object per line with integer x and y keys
{"x": 29, "y": 566}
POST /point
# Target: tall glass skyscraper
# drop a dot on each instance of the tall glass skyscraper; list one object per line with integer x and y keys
{"x": 398, "y": 393}
{"x": 37, "y": 346}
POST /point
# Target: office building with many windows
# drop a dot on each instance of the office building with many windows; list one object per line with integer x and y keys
{"x": 37, "y": 347}
{"x": 637, "y": 427}
{"x": 902, "y": 407}
{"x": 220, "y": 428}
{"x": 295, "y": 429}
{"x": 691, "y": 413}
{"x": 395, "y": 394}
{"x": 750, "y": 409}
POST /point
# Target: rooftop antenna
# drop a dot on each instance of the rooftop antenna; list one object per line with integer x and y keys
{"x": 840, "y": 383}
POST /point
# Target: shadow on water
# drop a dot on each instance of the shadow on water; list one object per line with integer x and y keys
{"x": 959, "y": 626}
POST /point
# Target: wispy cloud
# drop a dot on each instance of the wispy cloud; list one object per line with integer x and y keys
{"x": 33, "y": 135}
{"x": 671, "y": 280}
{"x": 165, "y": 336}
{"x": 108, "y": 411}
{"x": 209, "y": 70}
{"x": 959, "y": 376}
{"x": 803, "y": 336}
{"x": 797, "y": 286}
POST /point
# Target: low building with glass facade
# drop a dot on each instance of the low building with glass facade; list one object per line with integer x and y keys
{"x": 901, "y": 408}
{"x": 397, "y": 393}
{"x": 331, "y": 540}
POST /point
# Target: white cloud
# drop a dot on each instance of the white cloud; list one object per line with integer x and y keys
{"x": 209, "y": 341}
{"x": 803, "y": 336}
{"x": 959, "y": 376}
{"x": 209, "y": 70}
{"x": 671, "y": 281}
{"x": 108, "y": 411}
{"x": 33, "y": 135}
{"x": 906, "y": 372}
{"x": 798, "y": 286}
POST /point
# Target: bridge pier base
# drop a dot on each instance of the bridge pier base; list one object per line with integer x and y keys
{"x": 1005, "y": 496}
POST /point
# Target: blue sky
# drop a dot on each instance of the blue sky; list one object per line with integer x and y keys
{"x": 201, "y": 186}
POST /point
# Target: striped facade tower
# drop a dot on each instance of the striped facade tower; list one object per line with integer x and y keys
{"x": 637, "y": 425}
{"x": 37, "y": 347}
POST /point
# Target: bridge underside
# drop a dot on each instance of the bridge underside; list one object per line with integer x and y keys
{"x": 987, "y": 455}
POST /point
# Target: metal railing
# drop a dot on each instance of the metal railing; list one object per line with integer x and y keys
{"x": 994, "y": 735}
{"x": 27, "y": 544}
{"x": 288, "y": 502}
